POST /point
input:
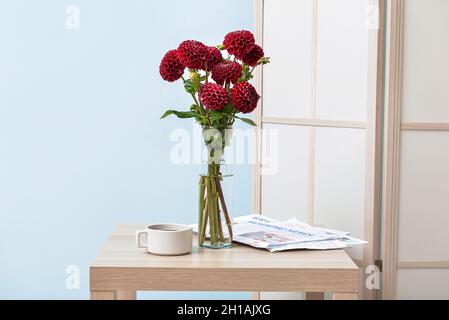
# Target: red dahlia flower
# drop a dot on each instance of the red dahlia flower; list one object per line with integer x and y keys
{"x": 244, "y": 97}
{"x": 213, "y": 96}
{"x": 192, "y": 54}
{"x": 226, "y": 71}
{"x": 239, "y": 43}
{"x": 213, "y": 57}
{"x": 253, "y": 57}
{"x": 171, "y": 69}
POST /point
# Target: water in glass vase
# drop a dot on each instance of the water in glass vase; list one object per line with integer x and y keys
{"x": 215, "y": 192}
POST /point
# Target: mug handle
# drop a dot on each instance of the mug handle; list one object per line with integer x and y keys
{"x": 139, "y": 233}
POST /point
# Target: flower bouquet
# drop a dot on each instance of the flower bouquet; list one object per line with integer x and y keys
{"x": 218, "y": 83}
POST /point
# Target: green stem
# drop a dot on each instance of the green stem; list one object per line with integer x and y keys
{"x": 212, "y": 233}
{"x": 200, "y": 205}
{"x": 204, "y": 113}
{"x": 223, "y": 206}
{"x": 220, "y": 228}
{"x": 214, "y": 212}
{"x": 202, "y": 235}
{"x": 251, "y": 72}
{"x": 214, "y": 206}
{"x": 192, "y": 94}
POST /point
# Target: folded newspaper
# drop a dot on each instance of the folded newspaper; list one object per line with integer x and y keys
{"x": 274, "y": 235}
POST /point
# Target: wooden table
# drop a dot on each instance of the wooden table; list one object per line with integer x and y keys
{"x": 121, "y": 269}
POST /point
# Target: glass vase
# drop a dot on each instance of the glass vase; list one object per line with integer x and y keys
{"x": 215, "y": 191}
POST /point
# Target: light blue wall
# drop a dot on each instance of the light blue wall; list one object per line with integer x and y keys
{"x": 81, "y": 144}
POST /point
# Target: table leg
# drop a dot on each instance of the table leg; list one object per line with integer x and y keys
{"x": 255, "y": 295}
{"x": 125, "y": 295}
{"x": 345, "y": 296}
{"x": 102, "y": 295}
{"x": 314, "y": 296}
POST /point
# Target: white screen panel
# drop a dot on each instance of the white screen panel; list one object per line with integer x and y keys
{"x": 342, "y": 63}
{"x": 426, "y": 63}
{"x": 340, "y": 181}
{"x": 287, "y": 40}
{"x": 422, "y": 284}
{"x": 284, "y": 194}
{"x": 424, "y": 196}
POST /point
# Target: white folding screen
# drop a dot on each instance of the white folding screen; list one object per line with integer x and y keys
{"x": 342, "y": 60}
{"x": 316, "y": 96}
{"x": 287, "y": 38}
{"x": 339, "y": 181}
{"x": 416, "y": 202}
{"x": 285, "y": 194}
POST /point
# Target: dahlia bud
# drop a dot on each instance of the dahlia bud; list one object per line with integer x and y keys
{"x": 194, "y": 76}
{"x": 264, "y": 60}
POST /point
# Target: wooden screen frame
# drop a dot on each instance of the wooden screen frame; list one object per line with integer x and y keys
{"x": 372, "y": 126}
{"x": 393, "y": 128}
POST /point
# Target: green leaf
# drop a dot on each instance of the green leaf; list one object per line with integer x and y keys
{"x": 197, "y": 85}
{"x": 180, "y": 114}
{"x": 189, "y": 86}
{"x": 229, "y": 108}
{"x": 248, "y": 121}
{"x": 246, "y": 74}
{"x": 216, "y": 116}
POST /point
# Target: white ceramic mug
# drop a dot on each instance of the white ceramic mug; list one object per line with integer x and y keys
{"x": 166, "y": 239}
